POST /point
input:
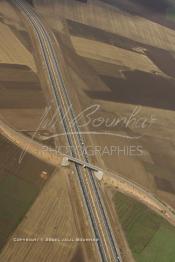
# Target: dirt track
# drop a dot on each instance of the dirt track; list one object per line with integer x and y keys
{"x": 111, "y": 179}
{"x": 140, "y": 194}
{"x": 28, "y": 145}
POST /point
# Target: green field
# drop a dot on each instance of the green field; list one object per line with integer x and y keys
{"x": 19, "y": 186}
{"x": 15, "y": 198}
{"x": 149, "y": 236}
{"x": 170, "y": 15}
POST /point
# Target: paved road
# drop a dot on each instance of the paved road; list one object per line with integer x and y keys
{"x": 106, "y": 246}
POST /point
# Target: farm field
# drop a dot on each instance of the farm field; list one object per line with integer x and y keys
{"x": 46, "y": 220}
{"x": 116, "y": 55}
{"x": 20, "y": 184}
{"x": 22, "y": 101}
{"x": 111, "y": 18}
{"x": 21, "y": 98}
{"x": 149, "y": 236}
{"x": 13, "y": 51}
{"x": 121, "y": 63}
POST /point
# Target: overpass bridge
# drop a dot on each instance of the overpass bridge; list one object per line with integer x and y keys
{"x": 97, "y": 171}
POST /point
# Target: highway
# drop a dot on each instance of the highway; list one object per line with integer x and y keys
{"x": 107, "y": 247}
